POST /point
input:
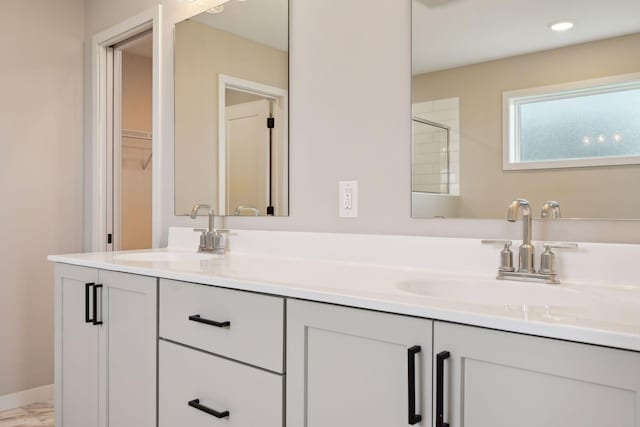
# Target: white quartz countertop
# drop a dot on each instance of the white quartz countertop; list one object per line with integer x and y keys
{"x": 607, "y": 315}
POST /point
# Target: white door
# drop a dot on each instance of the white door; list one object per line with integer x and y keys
{"x": 128, "y": 340}
{"x": 76, "y": 348}
{"x": 247, "y": 150}
{"x": 349, "y": 367}
{"x": 501, "y": 379}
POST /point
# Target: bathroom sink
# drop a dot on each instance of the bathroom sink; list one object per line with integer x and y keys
{"x": 164, "y": 256}
{"x": 485, "y": 292}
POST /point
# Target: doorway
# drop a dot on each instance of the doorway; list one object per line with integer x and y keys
{"x": 130, "y": 147}
{"x": 253, "y": 150}
{"x": 105, "y": 220}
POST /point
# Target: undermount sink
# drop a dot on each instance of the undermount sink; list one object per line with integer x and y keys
{"x": 484, "y": 292}
{"x": 164, "y": 256}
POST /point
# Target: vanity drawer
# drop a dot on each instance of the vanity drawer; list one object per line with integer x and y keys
{"x": 255, "y": 334}
{"x": 252, "y": 396}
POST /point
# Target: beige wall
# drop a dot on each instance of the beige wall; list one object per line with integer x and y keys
{"x": 601, "y": 192}
{"x": 136, "y": 182}
{"x": 202, "y": 53}
{"x": 329, "y": 60}
{"x": 40, "y": 176}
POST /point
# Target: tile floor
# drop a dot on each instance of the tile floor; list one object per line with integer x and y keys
{"x": 34, "y": 415}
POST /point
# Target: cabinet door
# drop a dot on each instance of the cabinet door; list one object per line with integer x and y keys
{"x": 502, "y": 379}
{"x": 128, "y": 341}
{"x": 76, "y": 348}
{"x": 351, "y": 367}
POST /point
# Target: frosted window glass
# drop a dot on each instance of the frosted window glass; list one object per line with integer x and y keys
{"x": 587, "y": 126}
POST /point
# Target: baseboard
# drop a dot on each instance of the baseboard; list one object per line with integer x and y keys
{"x": 26, "y": 397}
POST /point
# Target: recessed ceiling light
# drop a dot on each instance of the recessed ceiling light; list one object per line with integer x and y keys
{"x": 562, "y": 26}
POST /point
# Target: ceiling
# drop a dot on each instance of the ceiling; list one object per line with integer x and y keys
{"x": 263, "y": 21}
{"x": 452, "y": 33}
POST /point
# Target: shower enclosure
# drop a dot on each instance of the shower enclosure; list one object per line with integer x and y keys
{"x": 430, "y": 157}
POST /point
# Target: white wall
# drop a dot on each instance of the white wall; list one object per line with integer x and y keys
{"x": 338, "y": 48}
{"x": 40, "y": 176}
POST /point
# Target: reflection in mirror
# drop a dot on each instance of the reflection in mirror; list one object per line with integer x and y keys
{"x": 529, "y": 111}
{"x": 231, "y": 109}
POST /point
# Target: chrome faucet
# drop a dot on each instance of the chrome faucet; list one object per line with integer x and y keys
{"x": 550, "y": 210}
{"x": 527, "y": 251}
{"x": 211, "y": 240}
{"x": 254, "y": 211}
{"x": 526, "y": 269}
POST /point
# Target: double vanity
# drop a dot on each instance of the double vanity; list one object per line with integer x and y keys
{"x": 314, "y": 329}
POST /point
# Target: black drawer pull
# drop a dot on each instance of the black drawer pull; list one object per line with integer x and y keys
{"x": 95, "y": 304}
{"x": 440, "y": 358}
{"x": 87, "y": 298}
{"x": 197, "y": 318}
{"x": 411, "y": 379}
{"x": 195, "y": 403}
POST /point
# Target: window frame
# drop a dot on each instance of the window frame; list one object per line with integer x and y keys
{"x": 512, "y": 100}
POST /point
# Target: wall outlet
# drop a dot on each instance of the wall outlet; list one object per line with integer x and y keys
{"x": 348, "y": 199}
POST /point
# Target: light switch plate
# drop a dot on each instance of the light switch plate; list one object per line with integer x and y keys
{"x": 348, "y": 199}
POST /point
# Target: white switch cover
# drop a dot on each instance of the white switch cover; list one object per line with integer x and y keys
{"x": 348, "y": 199}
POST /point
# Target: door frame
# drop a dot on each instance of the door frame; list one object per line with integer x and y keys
{"x": 102, "y": 125}
{"x": 239, "y": 111}
{"x": 281, "y": 99}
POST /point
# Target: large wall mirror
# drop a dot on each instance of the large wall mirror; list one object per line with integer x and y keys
{"x": 536, "y": 99}
{"x": 231, "y": 109}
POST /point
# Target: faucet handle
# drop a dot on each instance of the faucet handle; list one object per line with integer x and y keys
{"x": 506, "y": 243}
{"x": 203, "y": 238}
{"x": 506, "y": 255}
{"x": 221, "y": 239}
{"x": 548, "y": 257}
{"x": 559, "y": 245}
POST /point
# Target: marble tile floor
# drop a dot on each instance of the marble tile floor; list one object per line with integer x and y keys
{"x": 34, "y": 415}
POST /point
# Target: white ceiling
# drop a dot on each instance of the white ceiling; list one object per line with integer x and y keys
{"x": 452, "y": 33}
{"x": 263, "y": 21}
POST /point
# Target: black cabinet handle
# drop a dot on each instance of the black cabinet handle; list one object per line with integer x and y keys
{"x": 95, "y": 305}
{"x": 87, "y": 297}
{"x": 440, "y": 358}
{"x": 197, "y": 318}
{"x": 411, "y": 379}
{"x": 195, "y": 403}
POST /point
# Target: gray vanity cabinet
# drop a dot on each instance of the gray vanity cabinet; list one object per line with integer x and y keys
{"x": 106, "y": 334}
{"x": 76, "y": 378}
{"x": 502, "y": 379}
{"x": 353, "y": 367}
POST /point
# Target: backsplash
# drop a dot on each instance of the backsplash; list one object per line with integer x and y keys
{"x": 590, "y": 263}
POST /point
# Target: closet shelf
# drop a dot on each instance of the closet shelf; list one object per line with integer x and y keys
{"x": 137, "y": 134}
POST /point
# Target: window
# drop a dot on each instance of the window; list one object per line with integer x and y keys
{"x": 589, "y": 123}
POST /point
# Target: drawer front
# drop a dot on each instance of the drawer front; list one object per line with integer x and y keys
{"x": 251, "y": 396}
{"x": 255, "y": 333}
